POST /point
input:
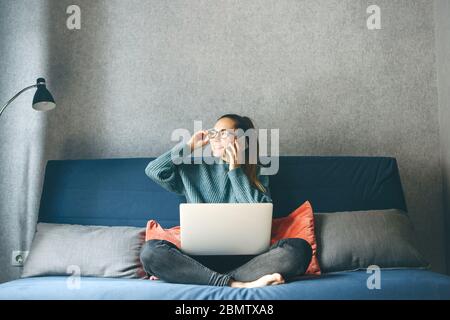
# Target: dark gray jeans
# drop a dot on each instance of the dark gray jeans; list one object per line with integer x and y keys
{"x": 290, "y": 257}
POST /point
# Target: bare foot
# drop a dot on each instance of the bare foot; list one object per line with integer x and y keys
{"x": 267, "y": 280}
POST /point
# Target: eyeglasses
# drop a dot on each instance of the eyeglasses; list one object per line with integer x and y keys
{"x": 222, "y": 134}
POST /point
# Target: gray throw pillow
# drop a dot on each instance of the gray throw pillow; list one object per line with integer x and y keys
{"x": 354, "y": 240}
{"x": 100, "y": 251}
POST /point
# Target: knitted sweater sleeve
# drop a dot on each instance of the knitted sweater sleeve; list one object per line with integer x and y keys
{"x": 165, "y": 169}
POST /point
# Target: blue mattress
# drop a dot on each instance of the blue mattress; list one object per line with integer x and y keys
{"x": 395, "y": 284}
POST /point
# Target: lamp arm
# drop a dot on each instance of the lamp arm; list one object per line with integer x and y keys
{"x": 15, "y": 96}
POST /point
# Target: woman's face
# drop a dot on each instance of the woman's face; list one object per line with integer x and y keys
{"x": 219, "y": 144}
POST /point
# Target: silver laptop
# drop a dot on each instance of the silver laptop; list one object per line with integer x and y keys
{"x": 225, "y": 228}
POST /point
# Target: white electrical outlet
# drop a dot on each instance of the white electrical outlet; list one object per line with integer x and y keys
{"x": 18, "y": 258}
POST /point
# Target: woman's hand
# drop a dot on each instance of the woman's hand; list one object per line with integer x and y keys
{"x": 234, "y": 154}
{"x": 198, "y": 139}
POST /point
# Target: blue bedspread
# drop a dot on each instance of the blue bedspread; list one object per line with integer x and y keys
{"x": 395, "y": 284}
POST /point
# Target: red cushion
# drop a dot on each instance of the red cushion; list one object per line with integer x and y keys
{"x": 298, "y": 224}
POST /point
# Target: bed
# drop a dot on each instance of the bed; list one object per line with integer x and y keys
{"x": 116, "y": 192}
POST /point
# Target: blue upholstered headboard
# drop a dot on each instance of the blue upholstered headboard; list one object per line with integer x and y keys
{"x": 117, "y": 191}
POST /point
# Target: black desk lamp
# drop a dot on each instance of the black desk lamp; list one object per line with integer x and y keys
{"x": 43, "y": 99}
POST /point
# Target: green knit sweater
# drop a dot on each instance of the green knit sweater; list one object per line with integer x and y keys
{"x": 204, "y": 182}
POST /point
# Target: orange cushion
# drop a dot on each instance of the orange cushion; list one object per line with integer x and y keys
{"x": 298, "y": 224}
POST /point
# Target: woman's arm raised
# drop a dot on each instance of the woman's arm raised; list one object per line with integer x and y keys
{"x": 165, "y": 172}
{"x": 244, "y": 191}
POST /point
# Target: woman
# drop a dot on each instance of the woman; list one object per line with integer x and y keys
{"x": 226, "y": 180}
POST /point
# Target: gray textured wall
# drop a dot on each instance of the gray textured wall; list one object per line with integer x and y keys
{"x": 23, "y": 56}
{"x": 442, "y": 24}
{"x": 139, "y": 69}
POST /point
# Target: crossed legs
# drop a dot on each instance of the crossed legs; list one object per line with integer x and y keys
{"x": 285, "y": 259}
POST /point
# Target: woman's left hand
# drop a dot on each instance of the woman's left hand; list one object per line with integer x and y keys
{"x": 234, "y": 154}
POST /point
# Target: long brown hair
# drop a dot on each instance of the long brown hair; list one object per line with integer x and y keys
{"x": 250, "y": 169}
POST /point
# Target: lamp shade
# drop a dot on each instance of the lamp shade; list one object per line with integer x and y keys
{"x": 43, "y": 99}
